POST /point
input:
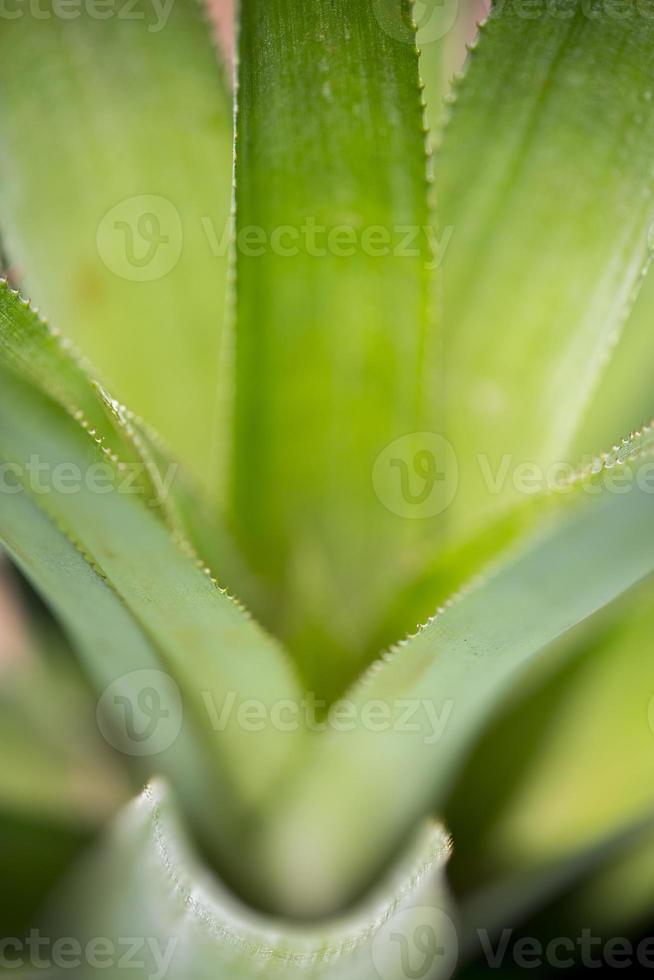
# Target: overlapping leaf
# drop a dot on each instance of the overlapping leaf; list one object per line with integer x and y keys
{"x": 133, "y": 599}
{"x": 545, "y": 179}
{"x": 114, "y": 207}
{"x": 623, "y": 399}
{"x": 333, "y": 345}
{"x": 59, "y": 780}
{"x": 145, "y": 871}
{"x": 334, "y": 363}
{"x": 437, "y": 690}
{"x": 548, "y": 818}
{"x": 43, "y": 356}
{"x": 530, "y": 318}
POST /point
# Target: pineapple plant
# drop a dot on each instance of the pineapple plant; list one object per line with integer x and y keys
{"x": 333, "y": 557}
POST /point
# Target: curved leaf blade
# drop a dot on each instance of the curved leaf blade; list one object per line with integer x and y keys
{"x": 39, "y": 354}
{"x": 132, "y": 595}
{"x": 547, "y": 815}
{"x": 145, "y": 880}
{"x": 333, "y": 332}
{"x": 451, "y": 676}
{"x": 545, "y": 176}
{"x": 59, "y": 781}
{"x": 623, "y": 399}
{"x": 125, "y": 242}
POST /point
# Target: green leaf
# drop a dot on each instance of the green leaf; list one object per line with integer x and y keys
{"x": 40, "y": 355}
{"x": 444, "y": 28}
{"x": 333, "y": 339}
{"x": 189, "y": 513}
{"x": 445, "y": 569}
{"x": 88, "y": 195}
{"x": 601, "y": 715}
{"x": 546, "y": 811}
{"x": 112, "y": 646}
{"x": 59, "y": 782}
{"x": 451, "y": 676}
{"x": 144, "y": 880}
{"x": 623, "y": 400}
{"x": 619, "y": 895}
{"x": 15, "y": 646}
{"x": 553, "y": 893}
{"x": 54, "y": 764}
{"x": 545, "y": 179}
{"x": 36, "y": 851}
{"x": 136, "y": 600}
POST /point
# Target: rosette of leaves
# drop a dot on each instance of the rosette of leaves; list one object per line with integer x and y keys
{"x": 387, "y": 387}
